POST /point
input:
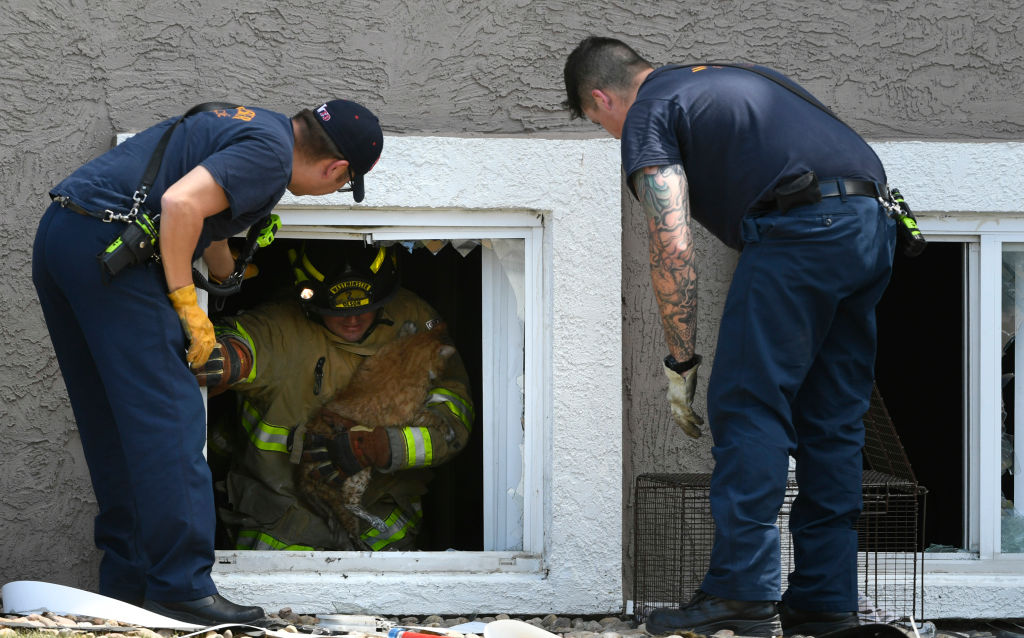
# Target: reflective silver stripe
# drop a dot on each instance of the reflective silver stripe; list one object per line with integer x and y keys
{"x": 399, "y": 524}
{"x": 455, "y": 404}
{"x": 252, "y": 539}
{"x": 418, "y": 447}
{"x": 263, "y": 435}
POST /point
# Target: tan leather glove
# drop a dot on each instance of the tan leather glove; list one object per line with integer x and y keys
{"x": 681, "y": 388}
{"x": 197, "y": 325}
{"x": 230, "y": 361}
{"x": 367, "y": 446}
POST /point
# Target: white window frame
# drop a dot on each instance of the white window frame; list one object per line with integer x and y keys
{"x": 563, "y": 198}
{"x": 974, "y": 194}
{"x": 513, "y": 509}
{"x": 983, "y": 238}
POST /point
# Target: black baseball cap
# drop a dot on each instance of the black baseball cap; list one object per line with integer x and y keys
{"x": 357, "y": 134}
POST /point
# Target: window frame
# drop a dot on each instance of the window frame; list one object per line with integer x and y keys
{"x": 507, "y": 521}
{"x": 572, "y": 556}
{"x": 983, "y": 235}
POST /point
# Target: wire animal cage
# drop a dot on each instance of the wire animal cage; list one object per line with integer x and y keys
{"x": 673, "y": 532}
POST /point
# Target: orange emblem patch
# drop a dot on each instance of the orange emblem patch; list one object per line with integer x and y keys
{"x": 244, "y": 114}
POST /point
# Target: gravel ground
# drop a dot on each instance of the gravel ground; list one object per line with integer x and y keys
{"x": 12, "y": 626}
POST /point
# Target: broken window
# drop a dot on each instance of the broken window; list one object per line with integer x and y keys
{"x": 486, "y": 285}
{"x": 1011, "y": 482}
{"x": 946, "y": 368}
{"x": 920, "y": 375}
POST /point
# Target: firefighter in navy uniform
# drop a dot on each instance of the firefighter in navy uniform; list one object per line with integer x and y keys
{"x": 771, "y": 172}
{"x": 285, "y": 360}
{"x": 121, "y": 337}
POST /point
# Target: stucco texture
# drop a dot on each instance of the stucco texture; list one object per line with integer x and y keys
{"x": 75, "y": 73}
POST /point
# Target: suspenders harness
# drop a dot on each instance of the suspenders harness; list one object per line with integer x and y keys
{"x": 138, "y": 242}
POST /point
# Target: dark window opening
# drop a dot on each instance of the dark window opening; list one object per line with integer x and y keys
{"x": 453, "y": 505}
{"x": 920, "y": 375}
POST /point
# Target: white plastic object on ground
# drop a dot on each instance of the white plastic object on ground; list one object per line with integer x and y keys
{"x": 511, "y": 628}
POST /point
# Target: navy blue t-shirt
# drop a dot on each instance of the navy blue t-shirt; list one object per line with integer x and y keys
{"x": 736, "y": 134}
{"x": 247, "y": 150}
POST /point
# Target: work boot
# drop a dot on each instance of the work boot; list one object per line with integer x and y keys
{"x": 706, "y": 614}
{"x": 815, "y": 623}
{"x": 211, "y": 610}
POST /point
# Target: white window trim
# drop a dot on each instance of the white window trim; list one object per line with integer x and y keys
{"x": 984, "y": 234}
{"x": 972, "y": 193}
{"x": 572, "y": 536}
{"x": 513, "y": 497}
{"x": 578, "y": 182}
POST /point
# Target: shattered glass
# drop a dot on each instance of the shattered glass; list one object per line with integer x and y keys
{"x": 1011, "y": 480}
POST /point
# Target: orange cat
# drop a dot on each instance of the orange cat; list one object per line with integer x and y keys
{"x": 390, "y": 387}
{"x": 387, "y": 389}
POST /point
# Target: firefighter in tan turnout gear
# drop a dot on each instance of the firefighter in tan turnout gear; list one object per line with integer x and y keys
{"x": 285, "y": 360}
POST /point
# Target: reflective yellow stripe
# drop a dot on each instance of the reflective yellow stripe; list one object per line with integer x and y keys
{"x": 455, "y": 404}
{"x": 375, "y": 266}
{"x": 252, "y": 539}
{"x": 319, "y": 276}
{"x": 300, "y": 274}
{"x": 272, "y": 438}
{"x": 252, "y": 349}
{"x": 240, "y": 332}
{"x": 418, "y": 449}
{"x": 398, "y": 526}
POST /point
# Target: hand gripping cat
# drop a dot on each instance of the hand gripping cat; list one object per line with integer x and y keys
{"x": 388, "y": 389}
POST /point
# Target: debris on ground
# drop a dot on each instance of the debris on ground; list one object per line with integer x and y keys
{"x": 290, "y": 622}
{"x": 285, "y": 620}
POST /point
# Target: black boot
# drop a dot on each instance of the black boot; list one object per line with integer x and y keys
{"x": 706, "y": 614}
{"x": 212, "y": 610}
{"x": 815, "y": 623}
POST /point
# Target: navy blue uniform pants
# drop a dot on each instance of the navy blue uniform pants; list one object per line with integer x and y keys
{"x": 139, "y": 412}
{"x": 792, "y": 376}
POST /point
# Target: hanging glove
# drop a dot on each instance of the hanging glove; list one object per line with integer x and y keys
{"x": 197, "y": 325}
{"x": 681, "y": 387}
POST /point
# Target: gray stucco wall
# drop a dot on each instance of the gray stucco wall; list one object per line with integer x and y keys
{"x": 75, "y": 73}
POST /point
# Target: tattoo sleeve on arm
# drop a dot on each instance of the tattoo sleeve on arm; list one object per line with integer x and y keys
{"x": 665, "y": 198}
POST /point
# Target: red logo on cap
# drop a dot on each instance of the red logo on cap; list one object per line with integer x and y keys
{"x": 324, "y": 114}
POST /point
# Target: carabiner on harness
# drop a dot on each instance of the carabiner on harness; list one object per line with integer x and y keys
{"x": 260, "y": 234}
{"x": 908, "y": 236}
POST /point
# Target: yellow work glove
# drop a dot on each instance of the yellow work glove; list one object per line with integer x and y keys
{"x": 681, "y": 388}
{"x": 197, "y": 325}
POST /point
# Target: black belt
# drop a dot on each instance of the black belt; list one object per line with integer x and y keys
{"x": 104, "y": 215}
{"x": 65, "y": 202}
{"x": 831, "y": 188}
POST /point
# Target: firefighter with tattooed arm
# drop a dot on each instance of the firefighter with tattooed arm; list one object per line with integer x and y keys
{"x": 771, "y": 172}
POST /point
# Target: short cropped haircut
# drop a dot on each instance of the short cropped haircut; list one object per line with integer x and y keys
{"x": 313, "y": 141}
{"x": 599, "y": 63}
